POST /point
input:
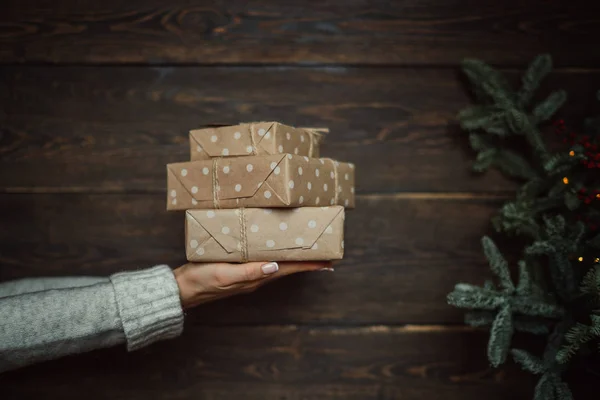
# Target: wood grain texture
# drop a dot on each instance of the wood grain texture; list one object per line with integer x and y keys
{"x": 402, "y": 255}
{"x": 409, "y": 32}
{"x": 113, "y": 129}
{"x": 281, "y": 362}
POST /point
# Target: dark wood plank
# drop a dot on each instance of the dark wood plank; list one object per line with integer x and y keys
{"x": 402, "y": 255}
{"x": 282, "y": 362}
{"x": 114, "y": 129}
{"x": 409, "y": 32}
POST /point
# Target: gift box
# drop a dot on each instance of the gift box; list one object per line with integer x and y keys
{"x": 264, "y": 234}
{"x": 261, "y": 138}
{"x": 280, "y": 180}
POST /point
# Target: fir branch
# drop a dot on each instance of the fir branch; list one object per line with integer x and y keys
{"x": 514, "y": 165}
{"x": 536, "y": 72}
{"x": 524, "y": 285}
{"x": 500, "y": 336}
{"x": 543, "y": 214}
{"x": 487, "y": 118}
{"x": 547, "y": 108}
{"x": 528, "y": 361}
{"x": 544, "y": 389}
{"x": 590, "y": 285}
{"x": 497, "y": 263}
{"x": 488, "y": 83}
{"x": 536, "y": 326}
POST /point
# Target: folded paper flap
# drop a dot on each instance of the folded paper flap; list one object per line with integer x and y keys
{"x": 224, "y": 141}
{"x": 278, "y": 229}
{"x": 235, "y": 140}
{"x": 196, "y": 236}
{"x": 263, "y": 134}
{"x": 193, "y": 177}
{"x": 244, "y": 177}
{"x": 266, "y": 229}
{"x": 234, "y": 177}
{"x": 220, "y": 225}
{"x": 254, "y": 138}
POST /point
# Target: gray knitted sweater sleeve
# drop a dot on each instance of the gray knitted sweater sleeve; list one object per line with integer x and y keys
{"x": 47, "y": 318}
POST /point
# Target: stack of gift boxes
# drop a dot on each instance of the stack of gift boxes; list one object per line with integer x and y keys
{"x": 260, "y": 192}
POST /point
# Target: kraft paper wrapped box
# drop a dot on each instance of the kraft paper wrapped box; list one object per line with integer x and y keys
{"x": 251, "y": 139}
{"x": 280, "y": 180}
{"x": 259, "y": 234}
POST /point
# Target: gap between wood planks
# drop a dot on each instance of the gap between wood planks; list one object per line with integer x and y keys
{"x": 284, "y": 66}
{"x": 358, "y": 329}
{"x": 110, "y": 190}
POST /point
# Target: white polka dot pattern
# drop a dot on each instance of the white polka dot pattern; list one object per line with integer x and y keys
{"x": 274, "y": 138}
{"x": 312, "y": 233}
{"x": 238, "y": 179}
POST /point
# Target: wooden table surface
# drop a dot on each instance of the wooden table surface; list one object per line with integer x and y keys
{"x": 97, "y": 96}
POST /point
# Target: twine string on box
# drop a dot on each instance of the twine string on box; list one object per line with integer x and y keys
{"x": 215, "y": 183}
{"x": 335, "y": 164}
{"x": 252, "y": 140}
{"x": 244, "y": 235}
{"x": 313, "y": 138}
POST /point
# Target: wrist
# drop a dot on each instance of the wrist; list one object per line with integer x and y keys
{"x": 186, "y": 289}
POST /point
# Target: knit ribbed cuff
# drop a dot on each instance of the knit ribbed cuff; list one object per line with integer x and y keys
{"x": 149, "y": 305}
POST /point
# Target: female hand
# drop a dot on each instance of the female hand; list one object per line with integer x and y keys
{"x": 201, "y": 283}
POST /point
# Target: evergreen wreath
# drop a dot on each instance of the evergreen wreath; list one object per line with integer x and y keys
{"x": 554, "y": 218}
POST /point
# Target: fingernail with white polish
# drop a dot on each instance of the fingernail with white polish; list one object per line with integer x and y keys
{"x": 327, "y": 269}
{"x": 270, "y": 268}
